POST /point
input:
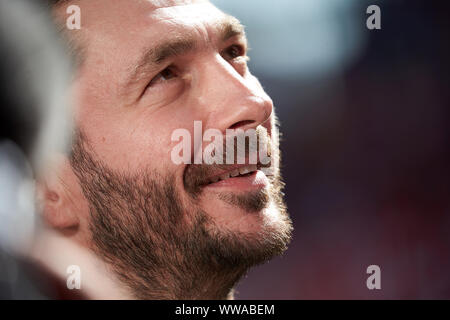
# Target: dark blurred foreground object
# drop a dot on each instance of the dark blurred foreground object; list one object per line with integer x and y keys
{"x": 34, "y": 77}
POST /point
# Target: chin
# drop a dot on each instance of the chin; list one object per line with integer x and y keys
{"x": 229, "y": 217}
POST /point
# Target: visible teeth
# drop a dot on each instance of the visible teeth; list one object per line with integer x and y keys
{"x": 244, "y": 170}
{"x": 235, "y": 173}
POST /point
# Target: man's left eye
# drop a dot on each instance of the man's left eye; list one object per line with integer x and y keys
{"x": 167, "y": 74}
{"x": 233, "y": 52}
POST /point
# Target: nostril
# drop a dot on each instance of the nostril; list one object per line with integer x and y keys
{"x": 241, "y": 124}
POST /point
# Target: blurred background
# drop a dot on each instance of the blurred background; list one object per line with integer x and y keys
{"x": 34, "y": 124}
{"x": 365, "y": 117}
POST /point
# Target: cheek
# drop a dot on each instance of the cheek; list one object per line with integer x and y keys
{"x": 118, "y": 140}
{"x": 133, "y": 137}
{"x": 135, "y": 140}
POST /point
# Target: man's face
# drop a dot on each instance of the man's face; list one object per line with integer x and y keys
{"x": 150, "y": 68}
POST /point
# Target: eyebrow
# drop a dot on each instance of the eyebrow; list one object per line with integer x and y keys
{"x": 231, "y": 27}
{"x": 180, "y": 45}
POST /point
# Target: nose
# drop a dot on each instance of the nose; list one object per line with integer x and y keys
{"x": 231, "y": 100}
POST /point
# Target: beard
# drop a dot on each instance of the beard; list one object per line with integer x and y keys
{"x": 160, "y": 247}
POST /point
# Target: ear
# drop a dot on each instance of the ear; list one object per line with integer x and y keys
{"x": 57, "y": 196}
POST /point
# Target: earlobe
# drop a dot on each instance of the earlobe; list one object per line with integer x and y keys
{"x": 56, "y": 202}
{"x": 56, "y": 213}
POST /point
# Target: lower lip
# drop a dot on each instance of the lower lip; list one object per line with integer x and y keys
{"x": 257, "y": 180}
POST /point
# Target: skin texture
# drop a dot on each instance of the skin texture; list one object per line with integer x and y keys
{"x": 120, "y": 195}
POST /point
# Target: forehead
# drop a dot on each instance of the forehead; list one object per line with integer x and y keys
{"x": 119, "y": 20}
{"x": 115, "y": 33}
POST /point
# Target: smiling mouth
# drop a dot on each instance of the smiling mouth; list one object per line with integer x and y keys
{"x": 227, "y": 178}
{"x": 241, "y": 179}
